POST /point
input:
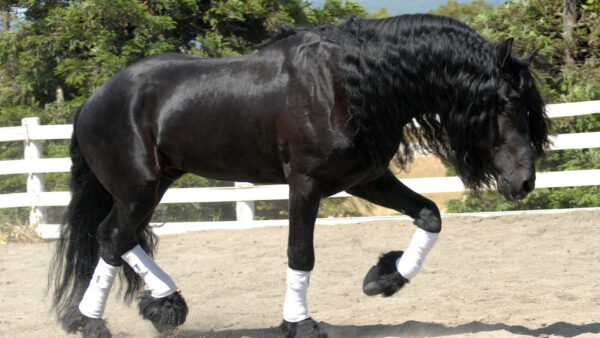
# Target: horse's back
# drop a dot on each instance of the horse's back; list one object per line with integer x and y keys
{"x": 221, "y": 118}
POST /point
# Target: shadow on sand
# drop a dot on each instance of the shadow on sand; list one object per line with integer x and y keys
{"x": 411, "y": 329}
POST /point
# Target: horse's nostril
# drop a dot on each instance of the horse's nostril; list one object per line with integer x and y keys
{"x": 527, "y": 186}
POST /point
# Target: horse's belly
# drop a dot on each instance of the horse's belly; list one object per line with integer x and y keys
{"x": 239, "y": 174}
{"x": 246, "y": 162}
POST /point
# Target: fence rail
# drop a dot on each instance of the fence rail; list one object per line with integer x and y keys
{"x": 59, "y": 165}
{"x": 31, "y": 133}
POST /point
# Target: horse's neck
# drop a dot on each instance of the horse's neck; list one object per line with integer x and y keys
{"x": 407, "y": 97}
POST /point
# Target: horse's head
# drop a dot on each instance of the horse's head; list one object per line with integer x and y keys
{"x": 521, "y": 126}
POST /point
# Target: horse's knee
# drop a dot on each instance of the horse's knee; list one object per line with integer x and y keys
{"x": 115, "y": 242}
{"x": 106, "y": 235}
{"x": 429, "y": 218}
{"x": 118, "y": 231}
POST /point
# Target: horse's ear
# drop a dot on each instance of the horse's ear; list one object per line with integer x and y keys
{"x": 529, "y": 58}
{"x": 352, "y": 24}
{"x": 503, "y": 50}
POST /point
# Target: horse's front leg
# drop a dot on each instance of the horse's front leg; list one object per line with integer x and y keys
{"x": 305, "y": 196}
{"x": 396, "y": 268}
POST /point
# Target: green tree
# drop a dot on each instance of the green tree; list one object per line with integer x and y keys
{"x": 6, "y": 15}
{"x": 381, "y": 13}
{"x": 463, "y": 12}
{"x": 568, "y": 69}
{"x": 77, "y": 45}
{"x": 62, "y": 51}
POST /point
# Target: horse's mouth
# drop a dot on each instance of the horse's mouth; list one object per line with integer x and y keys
{"x": 513, "y": 197}
{"x": 516, "y": 197}
{"x": 512, "y": 191}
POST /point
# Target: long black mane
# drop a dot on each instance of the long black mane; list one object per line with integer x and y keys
{"x": 427, "y": 80}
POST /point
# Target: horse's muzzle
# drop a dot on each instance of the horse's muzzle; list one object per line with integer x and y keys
{"x": 515, "y": 185}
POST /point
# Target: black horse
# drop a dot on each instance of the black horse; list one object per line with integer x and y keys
{"x": 323, "y": 110}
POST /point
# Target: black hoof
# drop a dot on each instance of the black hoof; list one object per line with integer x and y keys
{"x": 166, "y": 313}
{"x": 307, "y": 328}
{"x": 74, "y": 321}
{"x": 384, "y": 278}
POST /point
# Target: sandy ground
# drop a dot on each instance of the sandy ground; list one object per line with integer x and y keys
{"x": 508, "y": 276}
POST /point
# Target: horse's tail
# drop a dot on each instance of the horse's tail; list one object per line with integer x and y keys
{"x": 77, "y": 248}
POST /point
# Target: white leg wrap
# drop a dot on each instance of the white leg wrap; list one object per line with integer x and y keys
{"x": 294, "y": 307}
{"x": 157, "y": 281}
{"x": 412, "y": 260}
{"x": 94, "y": 300}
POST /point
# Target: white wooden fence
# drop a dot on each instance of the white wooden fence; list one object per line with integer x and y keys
{"x": 31, "y": 133}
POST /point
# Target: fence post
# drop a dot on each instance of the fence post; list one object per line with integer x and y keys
{"x": 35, "y": 181}
{"x": 244, "y": 210}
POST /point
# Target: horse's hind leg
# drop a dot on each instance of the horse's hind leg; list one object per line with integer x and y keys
{"x": 118, "y": 233}
{"x": 161, "y": 303}
{"x": 87, "y": 316}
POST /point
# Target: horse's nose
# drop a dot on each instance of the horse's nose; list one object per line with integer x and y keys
{"x": 528, "y": 182}
{"x": 523, "y": 183}
{"x": 528, "y": 185}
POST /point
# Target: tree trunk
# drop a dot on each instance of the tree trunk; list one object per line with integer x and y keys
{"x": 60, "y": 97}
{"x": 5, "y": 17}
{"x": 569, "y": 22}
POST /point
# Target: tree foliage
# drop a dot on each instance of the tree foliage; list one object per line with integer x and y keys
{"x": 63, "y": 50}
{"x": 463, "y": 12}
{"x": 381, "y": 13}
{"x": 77, "y": 45}
{"x": 538, "y": 25}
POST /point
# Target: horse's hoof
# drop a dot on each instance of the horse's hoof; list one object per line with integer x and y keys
{"x": 166, "y": 313}
{"x": 74, "y": 321}
{"x": 384, "y": 278}
{"x": 307, "y": 328}
{"x": 165, "y": 330}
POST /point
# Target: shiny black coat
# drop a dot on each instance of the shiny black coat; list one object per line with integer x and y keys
{"x": 322, "y": 110}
